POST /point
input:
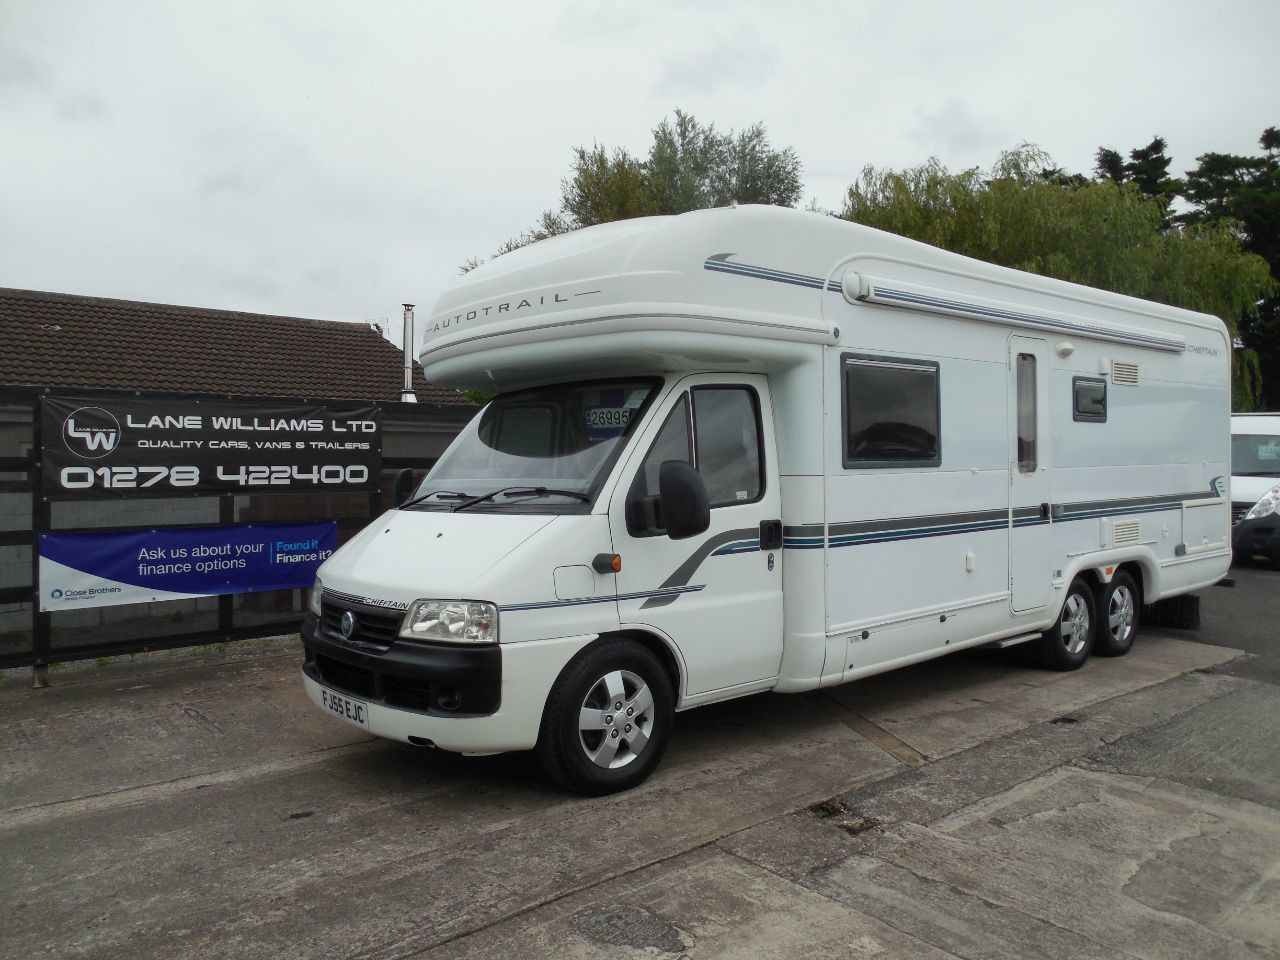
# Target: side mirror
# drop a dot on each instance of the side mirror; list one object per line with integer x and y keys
{"x": 404, "y": 486}
{"x": 685, "y": 508}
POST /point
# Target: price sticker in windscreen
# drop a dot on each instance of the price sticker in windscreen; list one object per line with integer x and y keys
{"x": 605, "y": 423}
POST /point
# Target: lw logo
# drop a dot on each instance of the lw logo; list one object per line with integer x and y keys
{"x": 91, "y": 433}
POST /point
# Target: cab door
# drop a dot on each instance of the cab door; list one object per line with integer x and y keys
{"x": 717, "y": 595}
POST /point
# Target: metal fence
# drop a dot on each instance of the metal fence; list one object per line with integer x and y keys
{"x": 412, "y": 436}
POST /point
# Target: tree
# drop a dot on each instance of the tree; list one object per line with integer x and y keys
{"x": 1243, "y": 194}
{"x": 1100, "y": 233}
{"x": 690, "y": 167}
{"x": 1147, "y": 169}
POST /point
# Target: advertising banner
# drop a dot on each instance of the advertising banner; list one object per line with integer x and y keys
{"x": 79, "y": 570}
{"x": 147, "y": 447}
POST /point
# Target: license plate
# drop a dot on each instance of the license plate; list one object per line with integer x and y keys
{"x": 348, "y": 708}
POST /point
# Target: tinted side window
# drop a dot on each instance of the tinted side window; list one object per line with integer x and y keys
{"x": 672, "y": 444}
{"x": 727, "y": 431}
{"x": 1026, "y": 412}
{"x": 1090, "y": 399}
{"x": 892, "y": 412}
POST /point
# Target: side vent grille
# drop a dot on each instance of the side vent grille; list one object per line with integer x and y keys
{"x": 1123, "y": 373}
{"x": 1125, "y": 531}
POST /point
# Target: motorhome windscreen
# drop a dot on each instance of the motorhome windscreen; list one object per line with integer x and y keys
{"x": 546, "y": 450}
{"x": 1255, "y": 455}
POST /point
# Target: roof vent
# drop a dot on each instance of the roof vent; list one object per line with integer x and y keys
{"x": 1124, "y": 373}
{"x": 1126, "y": 531}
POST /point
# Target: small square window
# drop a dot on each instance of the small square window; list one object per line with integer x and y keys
{"x": 1090, "y": 399}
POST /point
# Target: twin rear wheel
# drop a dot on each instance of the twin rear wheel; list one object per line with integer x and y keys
{"x": 608, "y": 718}
{"x": 1101, "y": 619}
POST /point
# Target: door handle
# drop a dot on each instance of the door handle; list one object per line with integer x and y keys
{"x": 770, "y": 534}
{"x": 1044, "y": 511}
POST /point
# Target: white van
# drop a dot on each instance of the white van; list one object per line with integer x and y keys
{"x": 1255, "y": 485}
{"x": 756, "y": 449}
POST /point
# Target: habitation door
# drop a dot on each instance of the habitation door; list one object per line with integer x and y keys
{"x": 1030, "y": 535}
{"x": 716, "y": 595}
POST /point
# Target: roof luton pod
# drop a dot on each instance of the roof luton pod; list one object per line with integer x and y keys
{"x": 756, "y": 449}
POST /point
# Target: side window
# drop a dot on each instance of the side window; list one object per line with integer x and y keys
{"x": 726, "y": 425}
{"x": 672, "y": 444}
{"x": 1026, "y": 407}
{"x": 892, "y": 412}
{"x": 1090, "y": 399}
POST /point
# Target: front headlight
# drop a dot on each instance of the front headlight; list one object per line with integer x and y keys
{"x": 317, "y": 589}
{"x": 454, "y": 621}
{"x": 1266, "y": 506}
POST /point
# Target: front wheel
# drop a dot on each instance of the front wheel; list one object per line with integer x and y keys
{"x": 1118, "y": 606}
{"x": 1066, "y": 646}
{"x": 608, "y": 719}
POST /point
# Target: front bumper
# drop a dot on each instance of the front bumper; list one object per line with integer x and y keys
{"x": 432, "y": 678}
{"x": 1254, "y": 537}
{"x": 503, "y": 688}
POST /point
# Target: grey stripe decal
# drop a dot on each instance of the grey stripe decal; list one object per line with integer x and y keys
{"x": 815, "y": 536}
{"x": 911, "y": 523}
{"x": 686, "y": 570}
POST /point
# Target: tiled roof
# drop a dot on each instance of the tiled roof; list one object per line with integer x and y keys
{"x": 63, "y": 340}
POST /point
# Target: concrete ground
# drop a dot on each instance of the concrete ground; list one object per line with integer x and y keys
{"x": 199, "y": 806}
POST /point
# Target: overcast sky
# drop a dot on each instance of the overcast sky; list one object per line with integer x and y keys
{"x": 335, "y": 159}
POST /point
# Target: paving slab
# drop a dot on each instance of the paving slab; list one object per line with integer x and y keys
{"x": 1153, "y": 870}
{"x": 705, "y": 904}
{"x": 948, "y": 705}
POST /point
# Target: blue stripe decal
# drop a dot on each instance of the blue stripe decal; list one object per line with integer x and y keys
{"x": 740, "y": 546}
{"x": 548, "y": 604}
{"x": 819, "y": 541}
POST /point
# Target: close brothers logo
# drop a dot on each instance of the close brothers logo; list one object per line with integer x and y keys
{"x": 55, "y": 593}
{"x": 91, "y": 433}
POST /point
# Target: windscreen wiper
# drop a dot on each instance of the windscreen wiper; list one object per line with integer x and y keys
{"x": 450, "y": 494}
{"x": 519, "y": 492}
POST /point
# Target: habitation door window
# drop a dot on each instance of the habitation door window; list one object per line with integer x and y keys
{"x": 1025, "y": 383}
{"x": 892, "y": 412}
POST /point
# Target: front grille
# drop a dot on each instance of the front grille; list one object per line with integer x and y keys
{"x": 1238, "y": 510}
{"x": 345, "y": 677}
{"x": 371, "y": 627}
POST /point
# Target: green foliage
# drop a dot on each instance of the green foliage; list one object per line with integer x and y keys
{"x": 690, "y": 167}
{"x": 1242, "y": 194}
{"x": 1147, "y": 169}
{"x": 1023, "y": 213}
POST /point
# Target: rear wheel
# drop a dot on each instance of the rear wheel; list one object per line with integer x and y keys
{"x": 1066, "y": 646}
{"x": 1119, "y": 604}
{"x": 608, "y": 719}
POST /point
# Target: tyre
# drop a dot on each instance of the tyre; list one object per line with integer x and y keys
{"x": 1067, "y": 645}
{"x": 608, "y": 719}
{"x": 1118, "y": 606}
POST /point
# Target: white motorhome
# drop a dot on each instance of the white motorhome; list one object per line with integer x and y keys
{"x": 755, "y": 449}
